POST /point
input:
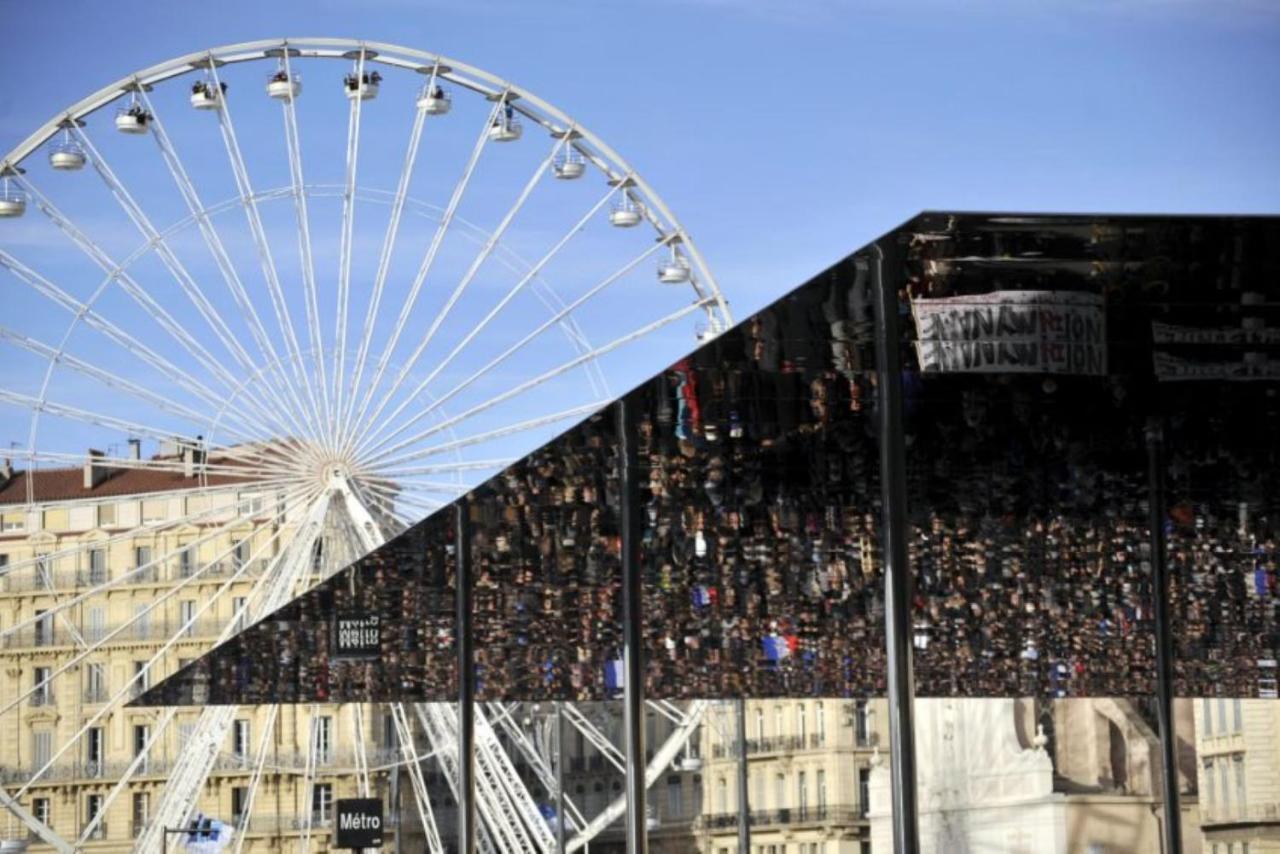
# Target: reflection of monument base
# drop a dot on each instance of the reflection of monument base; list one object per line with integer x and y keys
{"x": 979, "y": 789}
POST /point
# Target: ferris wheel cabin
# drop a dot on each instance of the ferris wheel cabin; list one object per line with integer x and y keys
{"x": 363, "y": 85}
{"x": 133, "y": 119}
{"x": 207, "y": 95}
{"x": 283, "y": 86}
{"x": 434, "y": 100}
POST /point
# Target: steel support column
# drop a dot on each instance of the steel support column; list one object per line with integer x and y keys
{"x": 466, "y": 682}
{"x": 559, "y": 777}
{"x": 632, "y": 625}
{"x": 1164, "y": 636}
{"x": 744, "y": 803}
{"x": 897, "y": 574}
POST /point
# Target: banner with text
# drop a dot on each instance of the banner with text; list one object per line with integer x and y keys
{"x": 1045, "y": 332}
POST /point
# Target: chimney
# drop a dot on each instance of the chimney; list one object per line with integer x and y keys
{"x": 188, "y": 460}
{"x": 6, "y": 471}
{"x": 94, "y": 471}
{"x": 135, "y": 449}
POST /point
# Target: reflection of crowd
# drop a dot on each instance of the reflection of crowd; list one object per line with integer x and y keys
{"x": 293, "y": 656}
{"x": 1028, "y": 541}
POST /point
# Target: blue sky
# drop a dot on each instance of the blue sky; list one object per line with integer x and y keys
{"x": 785, "y": 134}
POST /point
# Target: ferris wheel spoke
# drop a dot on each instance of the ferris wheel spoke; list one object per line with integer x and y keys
{"x": 528, "y": 276}
{"x": 126, "y": 778}
{"x": 384, "y": 257}
{"x": 149, "y": 305}
{"x": 259, "y": 763}
{"x": 374, "y": 442}
{"x": 388, "y": 467}
{"x": 84, "y": 311}
{"x": 428, "y": 261}
{"x": 172, "y": 263}
{"x": 213, "y": 241}
{"x": 375, "y": 455}
{"x": 344, "y": 253}
{"x": 73, "y": 413}
{"x": 305, "y": 255}
{"x": 267, "y": 262}
{"x": 422, "y": 800}
{"x": 142, "y": 672}
{"x": 471, "y": 272}
{"x": 104, "y": 376}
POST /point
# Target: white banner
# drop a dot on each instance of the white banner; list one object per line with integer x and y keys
{"x": 1045, "y": 332}
{"x": 1174, "y": 368}
{"x": 1168, "y": 333}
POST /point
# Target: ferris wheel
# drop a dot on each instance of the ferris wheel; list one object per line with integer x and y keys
{"x": 323, "y": 286}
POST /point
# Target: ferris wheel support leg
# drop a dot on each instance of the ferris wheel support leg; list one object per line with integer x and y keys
{"x": 633, "y": 640}
{"x": 37, "y": 827}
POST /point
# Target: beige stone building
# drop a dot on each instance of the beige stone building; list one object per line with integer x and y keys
{"x": 808, "y": 764}
{"x": 1238, "y": 763}
{"x": 109, "y": 581}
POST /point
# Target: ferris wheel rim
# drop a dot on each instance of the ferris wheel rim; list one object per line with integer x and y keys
{"x": 327, "y": 48}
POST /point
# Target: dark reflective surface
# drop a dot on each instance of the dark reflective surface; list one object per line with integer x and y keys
{"x": 1038, "y": 352}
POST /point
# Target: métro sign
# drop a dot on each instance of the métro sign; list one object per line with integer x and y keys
{"x": 357, "y": 636}
{"x": 358, "y": 822}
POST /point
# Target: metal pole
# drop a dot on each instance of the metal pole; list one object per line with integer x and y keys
{"x": 1164, "y": 637}
{"x": 395, "y": 805}
{"x": 559, "y": 777}
{"x": 466, "y": 684}
{"x": 897, "y": 577}
{"x": 633, "y": 640}
{"x": 744, "y": 804}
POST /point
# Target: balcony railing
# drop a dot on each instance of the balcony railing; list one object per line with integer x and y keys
{"x": 43, "y": 635}
{"x": 774, "y": 744}
{"x": 32, "y": 578}
{"x": 67, "y": 771}
{"x": 833, "y": 815}
{"x": 1248, "y": 813}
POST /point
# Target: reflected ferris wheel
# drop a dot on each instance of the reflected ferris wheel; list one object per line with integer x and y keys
{"x": 315, "y": 289}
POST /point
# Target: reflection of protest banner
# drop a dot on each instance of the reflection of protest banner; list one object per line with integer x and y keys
{"x": 1168, "y": 333}
{"x": 1045, "y": 332}
{"x": 1175, "y": 368}
{"x": 357, "y": 636}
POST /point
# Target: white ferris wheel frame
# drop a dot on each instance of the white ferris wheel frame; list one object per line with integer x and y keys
{"x": 621, "y": 177}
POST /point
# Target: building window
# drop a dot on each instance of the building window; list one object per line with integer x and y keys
{"x": 97, "y": 567}
{"x": 153, "y": 510}
{"x": 142, "y": 622}
{"x": 43, "y": 695}
{"x": 95, "y": 749}
{"x": 240, "y": 738}
{"x": 95, "y": 688}
{"x": 760, "y": 725}
{"x": 13, "y": 521}
{"x": 239, "y": 802}
{"x": 44, "y": 627}
{"x": 820, "y": 723}
{"x": 141, "y": 556}
{"x": 97, "y": 624}
{"x": 141, "y": 677}
{"x": 777, "y": 720}
{"x": 321, "y": 802}
{"x": 864, "y": 791}
{"x": 1237, "y": 765}
{"x": 802, "y": 728}
{"x": 141, "y": 812}
{"x": 92, "y": 807}
{"x": 141, "y": 735}
{"x": 187, "y": 616}
{"x": 675, "y": 797}
{"x": 1209, "y": 791}
{"x": 106, "y": 515}
{"x": 322, "y": 736}
{"x": 1237, "y": 716}
{"x": 802, "y": 792}
{"x": 41, "y": 748}
{"x": 780, "y": 791}
{"x": 186, "y": 563}
{"x": 722, "y": 795}
{"x": 40, "y": 809}
{"x": 1206, "y": 715}
{"x": 860, "y": 729}
{"x": 822, "y": 790}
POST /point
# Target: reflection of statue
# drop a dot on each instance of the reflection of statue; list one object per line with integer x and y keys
{"x": 977, "y": 784}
